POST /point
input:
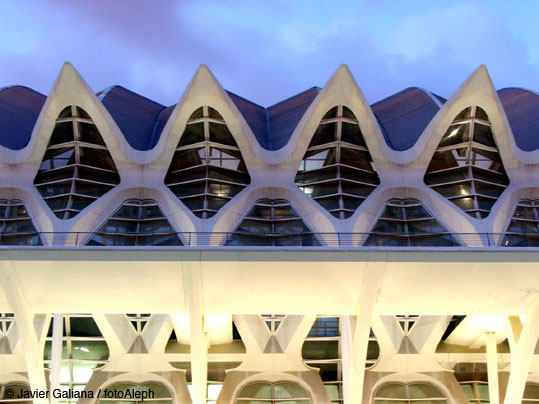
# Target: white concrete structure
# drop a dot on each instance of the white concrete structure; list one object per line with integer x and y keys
{"x": 151, "y": 248}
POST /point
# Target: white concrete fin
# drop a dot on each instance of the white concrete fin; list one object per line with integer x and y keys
{"x": 390, "y": 330}
{"x": 117, "y": 330}
{"x": 204, "y": 89}
{"x": 253, "y": 331}
{"x": 340, "y": 89}
{"x": 427, "y": 332}
{"x": 292, "y": 332}
{"x": 156, "y": 332}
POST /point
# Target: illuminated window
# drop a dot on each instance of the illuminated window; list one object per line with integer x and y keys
{"x": 17, "y": 390}
{"x": 161, "y": 395}
{"x": 337, "y": 169}
{"x": 207, "y": 169}
{"x": 408, "y": 394}
{"x": 272, "y": 222}
{"x": 77, "y": 167}
{"x": 523, "y": 229}
{"x": 83, "y": 349}
{"x": 273, "y": 393}
{"x": 16, "y": 227}
{"x": 406, "y": 222}
{"x": 466, "y": 167}
{"x": 138, "y": 222}
{"x": 322, "y": 349}
{"x": 476, "y": 391}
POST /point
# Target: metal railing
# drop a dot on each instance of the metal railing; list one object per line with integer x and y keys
{"x": 240, "y": 239}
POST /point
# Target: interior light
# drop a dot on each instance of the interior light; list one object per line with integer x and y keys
{"x": 453, "y": 133}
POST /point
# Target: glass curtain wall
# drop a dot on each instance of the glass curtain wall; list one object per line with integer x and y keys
{"x": 77, "y": 167}
{"x": 337, "y": 170}
{"x": 406, "y": 222}
{"x": 272, "y": 222}
{"x": 273, "y": 393}
{"x": 523, "y": 229}
{"x": 138, "y": 222}
{"x": 16, "y": 227}
{"x": 409, "y": 394}
{"x": 467, "y": 168}
{"x": 207, "y": 169}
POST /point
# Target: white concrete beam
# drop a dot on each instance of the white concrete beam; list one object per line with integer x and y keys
{"x": 33, "y": 352}
{"x": 492, "y": 368}
{"x": 522, "y": 355}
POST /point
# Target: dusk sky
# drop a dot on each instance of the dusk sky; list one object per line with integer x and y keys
{"x": 269, "y": 50}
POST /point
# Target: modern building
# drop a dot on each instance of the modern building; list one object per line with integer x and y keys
{"x": 322, "y": 250}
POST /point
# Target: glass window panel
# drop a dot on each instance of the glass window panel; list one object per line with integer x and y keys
{"x": 158, "y": 390}
{"x": 482, "y": 134}
{"x": 356, "y": 158}
{"x": 63, "y": 133}
{"x": 289, "y": 390}
{"x": 332, "y": 113}
{"x": 66, "y": 113}
{"x": 256, "y": 390}
{"x": 352, "y": 134}
{"x": 325, "y": 133}
{"x": 456, "y": 134}
{"x": 198, "y": 113}
{"x": 84, "y": 327}
{"x": 214, "y": 114}
{"x": 320, "y": 350}
{"x": 88, "y": 133}
{"x": 82, "y": 113}
{"x": 464, "y": 114}
{"x": 90, "y": 350}
{"x": 96, "y": 158}
{"x": 393, "y": 212}
{"x": 481, "y": 114}
{"x": 392, "y": 391}
{"x": 347, "y": 113}
{"x": 56, "y": 158}
{"x": 483, "y": 391}
{"x": 194, "y": 133}
{"x": 373, "y": 350}
{"x": 425, "y": 226}
{"x": 424, "y": 391}
{"x": 219, "y": 133}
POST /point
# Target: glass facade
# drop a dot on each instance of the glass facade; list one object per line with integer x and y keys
{"x": 406, "y": 222}
{"x": 16, "y": 227}
{"x": 273, "y": 393}
{"x": 6, "y": 319}
{"x": 467, "y": 168}
{"x": 409, "y": 394}
{"x": 138, "y": 222}
{"x": 17, "y": 390}
{"x": 337, "y": 170}
{"x": 531, "y": 394}
{"x": 207, "y": 169}
{"x": 523, "y": 229}
{"x": 272, "y": 222}
{"x": 77, "y": 167}
{"x": 83, "y": 349}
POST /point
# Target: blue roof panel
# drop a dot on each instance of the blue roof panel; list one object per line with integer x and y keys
{"x": 19, "y": 109}
{"x": 134, "y": 114}
{"x": 522, "y": 109}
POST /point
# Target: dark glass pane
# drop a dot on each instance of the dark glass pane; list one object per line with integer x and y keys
{"x": 392, "y": 390}
{"x": 352, "y": 134}
{"x": 220, "y": 134}
{"x": 448, "y": 159}
{"x": 90, "y": 350}
{"x": 482, "y": 134}
{"x": 464, "y": 114}
{"x": 199, "y": 113}
{"x": 332, "y": 113}
{"x": 83, "y": 327}
{"x": 325, "y": 133}
{"x": 356, "y": 158}
{"x": 393, "y": 212}
{"x": 82, "y": 113}
{"x": 66, "y": 113}
{"x": 373, "y": 350}
{"x": 56, "y": 158}
{"x": 88, "y": 133}
{"x": 347, "y": 113}
{"x": 212, "y": 113}
{"x": 320, "y": 350}
{"x": 416, "y": 212}
{"x": 194, "y": 133}
{"x": 387, "y": 226}
{"x": 96, "y": 158}
{"x": 63, "y": 133}
{"x": 425, "y": 226}
{"x": 481, "y": 114}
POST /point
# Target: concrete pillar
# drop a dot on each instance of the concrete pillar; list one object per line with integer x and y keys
{"x": 24, "y": 317}
{"x": 199, "y": 338}
{"x": 354, "y": 350}
{"x": 522, "y": 355}
{"x": 56, "y": 353}
{"x": 492, "y": 368}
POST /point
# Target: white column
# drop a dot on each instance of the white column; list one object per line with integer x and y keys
{"x": 492, "y": 368}
{"x": 24, "y": 317}
{"x": 354, "y": 351}
{"x": 522, "y": 355}
{"x": 56, "y": 353}
{"x": 199, "y": 339}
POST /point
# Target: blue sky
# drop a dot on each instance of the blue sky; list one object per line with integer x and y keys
{"x": 269, "y": 50}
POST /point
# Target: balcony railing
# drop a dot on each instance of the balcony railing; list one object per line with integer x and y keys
{"x": 240, "y": 239}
